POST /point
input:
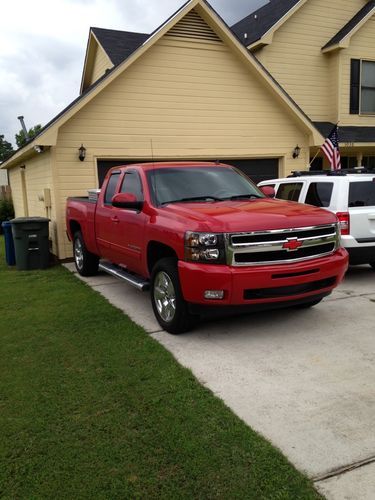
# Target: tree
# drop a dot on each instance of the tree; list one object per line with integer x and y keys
{"x": 6, "y": 149}
{"x": 21, "y": 140}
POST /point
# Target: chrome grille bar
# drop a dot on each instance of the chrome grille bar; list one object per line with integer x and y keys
{"x": 292, "y": 245}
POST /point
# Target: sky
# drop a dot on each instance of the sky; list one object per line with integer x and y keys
{"x": 43, "y": 44}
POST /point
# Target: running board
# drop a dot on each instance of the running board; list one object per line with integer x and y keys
{"x": 122, "y": 274}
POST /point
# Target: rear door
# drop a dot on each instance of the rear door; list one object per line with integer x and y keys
{"x": 362, "y": 209}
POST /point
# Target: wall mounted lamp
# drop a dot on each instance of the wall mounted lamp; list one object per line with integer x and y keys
{"x": 296, "y": 152}
{"x": 82, "y": 152}
{"x": 39, "y": 149}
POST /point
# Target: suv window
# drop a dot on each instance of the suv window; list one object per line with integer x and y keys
{"x": 289, "y": 191}
{"x": 362, "y": 194}
{"x": 132, "y": 184}
{"x": 111, "y": 188}
{"x": 319, "y": 194}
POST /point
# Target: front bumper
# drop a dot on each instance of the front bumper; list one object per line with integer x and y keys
{"x": 270, "y": 284}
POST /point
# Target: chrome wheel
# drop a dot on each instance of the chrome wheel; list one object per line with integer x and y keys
{"x": 164, "y": 296}
{"x": 78, "y": 253}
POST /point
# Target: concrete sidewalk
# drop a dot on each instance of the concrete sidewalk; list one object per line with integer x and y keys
{"x": 304, "y": 379}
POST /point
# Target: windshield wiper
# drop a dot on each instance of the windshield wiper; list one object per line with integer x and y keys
{"x": 244, "y": 196}
{"x": 193, "y": 198}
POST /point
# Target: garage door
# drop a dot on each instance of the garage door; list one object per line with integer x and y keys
{"x": 257, "y": 170}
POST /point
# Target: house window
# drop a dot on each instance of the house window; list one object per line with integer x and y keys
{"x": 348, "y": 162}
{"x": 368, "y": 87}
{"x": 368, "y": 162}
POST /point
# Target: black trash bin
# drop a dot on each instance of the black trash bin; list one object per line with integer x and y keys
{"x": 10, "y": 256}
{"x": 31, "y": 242}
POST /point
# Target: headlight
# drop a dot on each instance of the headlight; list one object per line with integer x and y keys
{"x": 205, "y": 247}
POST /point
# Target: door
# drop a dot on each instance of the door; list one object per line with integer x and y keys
{"x": 258, "y": 170}
{"x": 362, "y": 209}
{"x": 128, "y": 226}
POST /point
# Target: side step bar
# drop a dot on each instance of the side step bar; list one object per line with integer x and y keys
{"x": 122, "y": 274}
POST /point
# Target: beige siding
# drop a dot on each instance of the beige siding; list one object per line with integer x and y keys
{"x": 3, "y": 178}
{"x": 296, "y": 61}
{"x": 191, "y": 99}
{"x": 38, "y": 177}
{"x": 362, "y": 46}
{"x": 16, "y": 186}
{"x": 100, "y": 65}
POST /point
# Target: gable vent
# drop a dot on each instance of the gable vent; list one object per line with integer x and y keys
{"x": 194, "y": 27}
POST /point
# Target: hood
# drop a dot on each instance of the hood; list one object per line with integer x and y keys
{"x": 242, "y": 216}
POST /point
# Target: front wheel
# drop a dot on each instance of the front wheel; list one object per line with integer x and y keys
{"x": 170, "y": 308}
{"x": 86, "y": 262}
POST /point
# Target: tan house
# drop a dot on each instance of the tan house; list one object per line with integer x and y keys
{"x": 195, "y": 89}
{"x": 323, "y": 54}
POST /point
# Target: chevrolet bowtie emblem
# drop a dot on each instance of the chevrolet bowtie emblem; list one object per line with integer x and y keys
{"x": 292, "y": 245}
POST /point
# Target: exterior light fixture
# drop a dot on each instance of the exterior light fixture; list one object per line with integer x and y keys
{"x": 296, "y": 152}
{"x": 39, "y": 149}
{"x": 82, "y": 152}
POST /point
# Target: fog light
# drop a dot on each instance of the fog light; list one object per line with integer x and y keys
{"x": 214, "y": 294}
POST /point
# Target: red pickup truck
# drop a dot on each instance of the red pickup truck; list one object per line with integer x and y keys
{"x": 201, "y": 234}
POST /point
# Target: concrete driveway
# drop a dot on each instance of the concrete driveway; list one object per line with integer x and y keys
{"x": 304, "y": 379}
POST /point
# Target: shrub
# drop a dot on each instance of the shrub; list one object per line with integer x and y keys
{"x": 6, "y": 211}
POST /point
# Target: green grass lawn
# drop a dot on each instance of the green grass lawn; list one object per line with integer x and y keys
{"x": 92, "y": 407}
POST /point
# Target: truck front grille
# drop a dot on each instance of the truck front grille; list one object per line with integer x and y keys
{"x": 282, "y": 246}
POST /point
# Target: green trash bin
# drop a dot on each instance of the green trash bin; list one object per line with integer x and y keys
{"x": 31, "y": 242}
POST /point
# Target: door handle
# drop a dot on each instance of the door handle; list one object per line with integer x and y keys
{"x": 115, "y": 219}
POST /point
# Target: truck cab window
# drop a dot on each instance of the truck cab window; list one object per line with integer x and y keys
{"x": 111, "y": 188}
{"x": 132, "y": 184}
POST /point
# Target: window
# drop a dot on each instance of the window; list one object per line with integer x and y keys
{"x": 290, "y": 191}
{"x": 132, "y": 184}
{"x": 362, "y": 194}
{"x": 368, "y": 162}
{"x": 319, "y": 194}
{"x": 348, "y": 161}
{"x": 368, "y": 87}
{"x": 111, "y": 188}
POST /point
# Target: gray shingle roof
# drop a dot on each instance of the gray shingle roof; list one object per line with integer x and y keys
{"x": 348, "y": 134}
{"x": 351, "y": 24}
{"x": 262, "y": 20}
{"x": 119, "y": 45}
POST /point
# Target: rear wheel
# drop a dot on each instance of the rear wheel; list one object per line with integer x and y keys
{"x": 86, "y": 262}
{"x": 170, "y": 308}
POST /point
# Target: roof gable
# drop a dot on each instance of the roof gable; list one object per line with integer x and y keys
{"x": 259, "y": 26}
{"x": 218, "y": 29}
{"x": 342, "y": 38}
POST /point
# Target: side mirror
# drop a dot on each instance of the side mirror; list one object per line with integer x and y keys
{"x": 268, "y": 191}
{"x": 127, "y": 200}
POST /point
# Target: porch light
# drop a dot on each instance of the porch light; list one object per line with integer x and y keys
{"x": 82, "y": 152}
{"x": 296, "y": 152}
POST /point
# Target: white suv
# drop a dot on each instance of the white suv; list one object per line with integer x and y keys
{"x": 349, "y": 194}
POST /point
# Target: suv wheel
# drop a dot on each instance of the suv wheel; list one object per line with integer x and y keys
{"x": 170, "y": 308}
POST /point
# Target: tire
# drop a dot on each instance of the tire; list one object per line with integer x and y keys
{"x": 87, "y": 263}
{"x": 170, "y": 308}
{"x": 306, "y": 305}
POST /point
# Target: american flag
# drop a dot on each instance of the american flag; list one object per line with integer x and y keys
{"x": 331, "y": 149}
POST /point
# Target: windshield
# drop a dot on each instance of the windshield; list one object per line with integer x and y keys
{"x": 173, "y": 185}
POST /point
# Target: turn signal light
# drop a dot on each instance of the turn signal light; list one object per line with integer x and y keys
{"x": 344, "y": 222}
